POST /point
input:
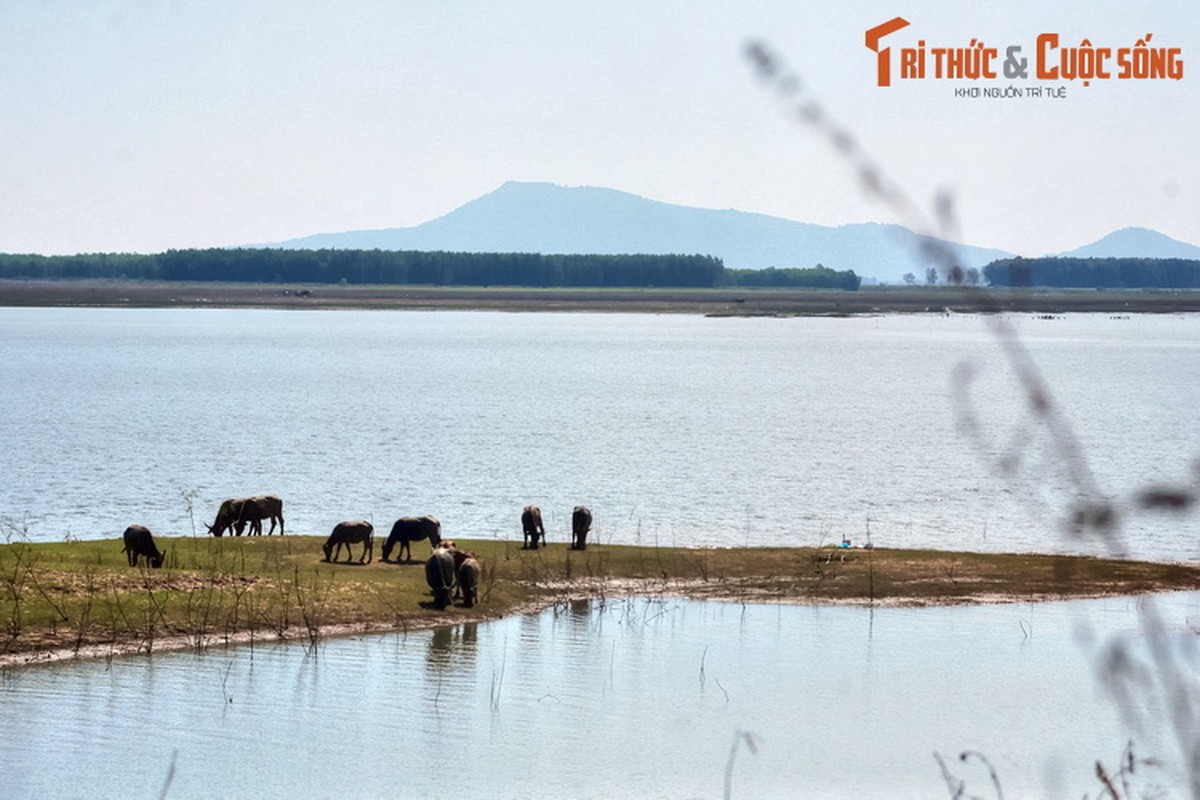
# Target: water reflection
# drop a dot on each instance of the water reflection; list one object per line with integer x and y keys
{"x": 452, "y": 646}
{"x": 596, "y": 699}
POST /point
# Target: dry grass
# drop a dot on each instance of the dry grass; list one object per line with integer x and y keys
{"x": 82, "y": 598}
{"x": 726, "y": 301}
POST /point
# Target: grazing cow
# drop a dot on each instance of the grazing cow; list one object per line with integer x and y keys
{"x": 439, "y": 574}
{"x": 348, "y": 533}
{"x": 581, "y": 523}
{"x": 412, "y": 529}
{"x": 228, "y": 516}
{"x": 531, "y": 524}
{"x": 139, "y": 542}
{"x": 255, "y": 509}
{"x": 467, "y": 570}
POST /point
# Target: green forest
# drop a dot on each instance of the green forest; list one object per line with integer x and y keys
{"x": 386, "y": 267}
{"x": 817, "y": 277}
{"x": 1095, "y": 273}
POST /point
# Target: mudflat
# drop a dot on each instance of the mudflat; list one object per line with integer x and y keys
{"x": 716, "y": 302}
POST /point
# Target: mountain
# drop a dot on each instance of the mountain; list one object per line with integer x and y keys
{"x": 1135, "y": 243}
{"x": 546, "y": 218}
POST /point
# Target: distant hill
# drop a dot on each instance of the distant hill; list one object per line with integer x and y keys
{"x": 1135, "y": 243}
{"x": 550, "y": 219}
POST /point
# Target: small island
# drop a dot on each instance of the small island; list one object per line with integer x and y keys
{"x": 79, "y": 599}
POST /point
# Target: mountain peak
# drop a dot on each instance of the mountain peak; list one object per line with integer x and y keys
{"x": 1135, "y": 242}
{"x": 547, "y": 218}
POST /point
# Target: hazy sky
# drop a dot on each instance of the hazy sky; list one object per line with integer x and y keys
{"x": 143, "y": 126}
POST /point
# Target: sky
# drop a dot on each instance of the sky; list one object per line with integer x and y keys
{"x": 145, "y": 126}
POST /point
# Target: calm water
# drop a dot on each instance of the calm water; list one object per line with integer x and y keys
{"x": 674, "y": 429}
{"x": 638, "y": 698}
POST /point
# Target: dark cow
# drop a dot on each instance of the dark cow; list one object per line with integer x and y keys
{"x": 138, "y": 543}
{"x": 228, "y": 516}
{"x": 581, "y": 523}
{"x": 412, "y": 529}
{"x": 531, "y": 524}
{"x": 255, "y": 509}
{"x": 467, "y": 571}
{"x": 439, "y": 574}
{"x": 348, "y": 533}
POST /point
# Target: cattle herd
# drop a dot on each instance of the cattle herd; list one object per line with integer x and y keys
{"x": 450, "y": 572}
{"x": 235, "y": 514}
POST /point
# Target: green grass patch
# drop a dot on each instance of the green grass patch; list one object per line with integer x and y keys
{"x": 82, "y": 597}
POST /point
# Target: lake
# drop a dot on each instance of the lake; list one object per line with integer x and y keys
{"x": 904, "y": 431}
{"x": 629, "y": 698}
{"x": 674, "y": 429}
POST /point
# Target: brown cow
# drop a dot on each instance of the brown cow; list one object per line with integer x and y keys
{"x": 348, "y": 533}
{"x": 440, "y": 575}
{"x": 412, "y": 529}
{"x": 467, "y": 571}
{"x": 255, "y": 509}
{"x": 140, "y": 543}
{"x": 531, "y": 524}
{"x": 581, "y": 523}
{"x": 228, "y": 515}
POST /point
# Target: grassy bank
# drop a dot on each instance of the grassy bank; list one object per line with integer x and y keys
{"x": 82, "y": 598}
{"x": 717, "y": 302}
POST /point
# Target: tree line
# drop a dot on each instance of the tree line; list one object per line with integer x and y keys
{"x": 818, "y": 277}
{"x": 269, "y": 265}
{"x": 1095, "y": 273}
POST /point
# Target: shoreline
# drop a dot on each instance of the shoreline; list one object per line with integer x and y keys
{"x": 81, "y": 600}
{"x": 449, "y": 618}
{"x": 727, "y": 301}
